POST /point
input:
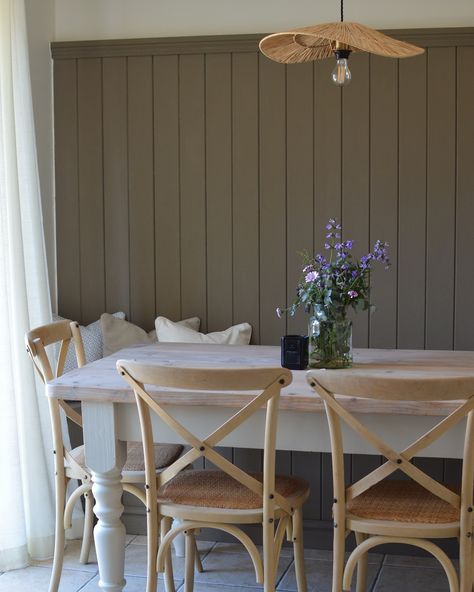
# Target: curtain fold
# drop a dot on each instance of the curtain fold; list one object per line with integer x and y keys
{"x": 27, "y": 492}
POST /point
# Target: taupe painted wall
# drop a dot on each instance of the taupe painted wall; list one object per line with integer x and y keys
{"x": 191, "y": 172}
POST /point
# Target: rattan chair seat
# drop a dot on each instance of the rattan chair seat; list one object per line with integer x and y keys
{"x": 402, "y": 501}
{"x": 165, "y": 454}
{"x": 216, "y": 489}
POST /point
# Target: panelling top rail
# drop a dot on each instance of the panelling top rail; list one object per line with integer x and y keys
{"x": 229, "y": 43}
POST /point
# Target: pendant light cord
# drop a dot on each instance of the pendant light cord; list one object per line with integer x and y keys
{"x": 342, "y": 11}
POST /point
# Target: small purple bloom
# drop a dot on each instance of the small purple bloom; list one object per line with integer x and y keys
{"x": 328, "y": 226}
{"x": 311, "y": 276}
{"x": 349, "y": 244}
{"x": 352, "y": 294}
{"x": 338, "y": 246}
{"x": 327, "y": 246}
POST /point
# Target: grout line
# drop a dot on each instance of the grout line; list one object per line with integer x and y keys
{"x": 377, "y": 576}
{"x": 86, "y": 583}
{"x": 285, "y": 571}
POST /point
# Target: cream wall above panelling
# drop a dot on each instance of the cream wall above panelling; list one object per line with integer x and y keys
{"x": 110, "y": 19}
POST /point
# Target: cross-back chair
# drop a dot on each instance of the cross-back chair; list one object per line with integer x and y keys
{"x": 414, "y": 511}
{"x": 223, "y": 498}
{"x": 70, "y": 463}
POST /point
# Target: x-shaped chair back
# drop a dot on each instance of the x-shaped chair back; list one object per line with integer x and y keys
{"x": 403, "y": 385}
{"x": 268, "y": 383}
{"x": 37, "y": 340}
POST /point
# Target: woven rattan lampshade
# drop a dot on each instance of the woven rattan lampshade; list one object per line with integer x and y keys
{"x": 321, "y": 41}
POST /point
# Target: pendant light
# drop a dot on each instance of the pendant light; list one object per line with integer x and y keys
{"x": 338, "y": 39}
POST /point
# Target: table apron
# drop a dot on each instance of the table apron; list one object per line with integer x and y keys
{"x": 297, "y": 430}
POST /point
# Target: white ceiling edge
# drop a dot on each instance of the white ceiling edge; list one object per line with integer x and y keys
{"x": 122, "y": 19}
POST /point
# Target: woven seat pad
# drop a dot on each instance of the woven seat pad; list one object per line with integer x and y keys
{"x": 216, "y": 489}
{"x": 165, "y": 454}
{"x": 402, "y": 501}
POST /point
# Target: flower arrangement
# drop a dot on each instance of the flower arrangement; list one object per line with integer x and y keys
{"x": 330, "y": 285}
{"x": 336, "y": 282}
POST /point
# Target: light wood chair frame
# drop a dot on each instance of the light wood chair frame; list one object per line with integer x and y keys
{"x": 370, "y": 532}
{"x": 275, "y": 508}
{"x": 66, "y": 333}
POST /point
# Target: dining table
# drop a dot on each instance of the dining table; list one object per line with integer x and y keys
{"x": 110, "y": 417}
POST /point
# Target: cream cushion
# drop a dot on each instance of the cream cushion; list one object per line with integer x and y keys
{"x": 118, "y": 333}
{"x": 166, "y": 330}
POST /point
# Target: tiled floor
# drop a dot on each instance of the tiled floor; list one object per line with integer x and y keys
{"x": 228, "y": 569}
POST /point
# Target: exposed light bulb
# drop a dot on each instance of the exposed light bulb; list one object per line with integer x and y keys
{"x": 341, "y": 75}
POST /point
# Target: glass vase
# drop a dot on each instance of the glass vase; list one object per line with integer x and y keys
{"x": 330, "y": 341}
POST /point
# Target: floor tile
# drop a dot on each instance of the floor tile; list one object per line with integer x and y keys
{"x": 71, "y": 558}
{"x": 134, "y": 584}
{"x": 219, "y": 588}
{"x": 233, "y": 569}
{"x": 36, "y": 579}
{"x": 319, "y": 576}
{"x": 411, "y": 579}
{"x": 239, "y": 548}
{"x": 326, "y": 555}
{"x": 414, "y": 561}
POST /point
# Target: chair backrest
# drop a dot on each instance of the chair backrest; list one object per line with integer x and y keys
{"x": 410, "y": 384}
{"x": 264, "y": 386}
{"x": 37, "y": 340}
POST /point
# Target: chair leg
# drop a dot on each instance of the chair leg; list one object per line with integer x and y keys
{"x": 268, "y": 558}
{"x": 189, "y": 561}
{"x": 466, "y": 551}
{"x": 152, "y": 525}
{"x": 362, "y": 564}
{"x": 59, "y": 532}
{"x": 298, "y": 550}
{"x": 169, "y": 580}
{"x": 339, "y": 547}
{"x": 87, "y": 535}
{"x": 197, "y": 557}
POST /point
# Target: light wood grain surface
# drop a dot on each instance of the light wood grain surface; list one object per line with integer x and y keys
{"x": 100, "y": 381}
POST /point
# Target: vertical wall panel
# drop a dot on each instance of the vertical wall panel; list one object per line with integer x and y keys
{"x": 356, "y": 171}
{"x": 219, "y": 191}
{"x": 412, "y": 202}
{"x": 327, "y": 150}
{"x": 141, "y": 199}
{"x": 245, "y": 190}
{"x": 300, "y": 177}
{"x": 441, "y": 137}
{"x": 464, "y": 322}
{"x": 272, "y": 198}
{"x": 116, "y": 222}
{"x": 67, "y": 189}
{"x": 384, "y": 196}
{"x": 91, "y": 198}
{"x": 167, "y": 187}
{"x": 193, "y": 187}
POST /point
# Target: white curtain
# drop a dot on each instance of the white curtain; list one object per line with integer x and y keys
{"x": 27, "y": 488}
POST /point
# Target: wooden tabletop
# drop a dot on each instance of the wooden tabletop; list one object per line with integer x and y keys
{"x": 100, "y": 380}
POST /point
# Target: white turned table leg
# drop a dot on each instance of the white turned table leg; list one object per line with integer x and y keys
{"x": 109, "y": 532}
{"x": 105, "y": 456}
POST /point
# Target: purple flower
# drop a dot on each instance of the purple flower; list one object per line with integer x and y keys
{"x": 352, "y": 294}
{"x": 311, "y": 276}
{"x": 327, "y": 246}
{"x": 349, "y": 244}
